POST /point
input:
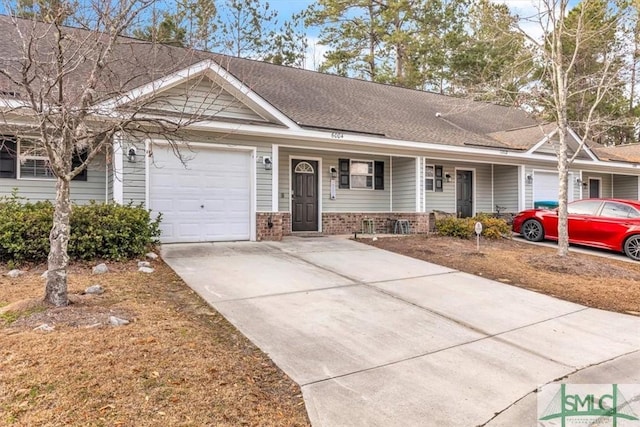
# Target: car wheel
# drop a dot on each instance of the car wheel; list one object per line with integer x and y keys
{"x": 632, "y": 247}
{"x": 532, "y": 231}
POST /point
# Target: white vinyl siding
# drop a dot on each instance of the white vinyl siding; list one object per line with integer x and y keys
{"x": 347, "y": 200}
{"x": 505, "y": 187}
{"x": 45, "y": 189}
{"x": 445, "y": 200}
{"x": 109, "y": 184}
{"x": 482, "y": 186}
{"x": 548, "y": 149}
{"x": 625, "y": 187}
{"x": 133, "y": 174}
{"x": 605, "y": 183}
{"x": 404, "y": 184}
{"x": 203, "y": 97}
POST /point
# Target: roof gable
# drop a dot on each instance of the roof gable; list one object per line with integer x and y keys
{"x": 204, "y": 90}
{"x": 203, "y": 98}
{"x": 548, "y": 144}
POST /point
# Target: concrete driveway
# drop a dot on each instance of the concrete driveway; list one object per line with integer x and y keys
{"x": 376, "y": 338}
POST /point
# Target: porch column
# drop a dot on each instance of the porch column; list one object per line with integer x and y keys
{"x": 419, "y": 196}
{"x": 118, "y": 166}
{"x": 275, "y": 163}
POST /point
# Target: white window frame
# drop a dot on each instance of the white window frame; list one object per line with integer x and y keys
{"x": 371, "y": 174}
{"x": 432, "y": 178}
{"x": 24, "y": 157}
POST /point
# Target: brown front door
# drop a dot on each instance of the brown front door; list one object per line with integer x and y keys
{"x": 304, "y": 200}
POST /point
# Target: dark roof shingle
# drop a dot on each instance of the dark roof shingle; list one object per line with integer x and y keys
{"x": 311, "y": 99}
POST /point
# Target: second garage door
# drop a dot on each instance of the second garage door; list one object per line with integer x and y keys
{"x": 546, "y": 187}
{"x": 206, "y": 199}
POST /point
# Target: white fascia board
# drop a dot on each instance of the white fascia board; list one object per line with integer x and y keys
{"x": 497, "y": 154}
{"x": 584, "y": 146}
{"x": 542, "y": 142}
{"x": 212, "y": 70}
{"x": 356, "y": 140}
{"x": 163, "y": 83}
{"x": 12, "y": 104}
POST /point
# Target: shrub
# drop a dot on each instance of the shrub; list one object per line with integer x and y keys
{"x": 111, "y": 231}
{"x": 492, "y": 228}
{"x": 24, "y": 229}
{"x": 98, "y": 230}
{"x": 454, "y": 227}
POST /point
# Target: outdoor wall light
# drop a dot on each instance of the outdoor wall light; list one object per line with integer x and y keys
{"x": 268, "y": 164}
{"x": 131, "y": 155}
{"x": 529, "y": 179}
{"x": 333, "y": 172}
{"x": 447, "y": 176}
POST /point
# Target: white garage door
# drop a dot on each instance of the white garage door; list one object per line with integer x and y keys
{"x": 546, "y": 187}
{"x": 208, "y": 199}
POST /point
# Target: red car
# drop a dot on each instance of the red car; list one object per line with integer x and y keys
{"x": 611, "y": 224}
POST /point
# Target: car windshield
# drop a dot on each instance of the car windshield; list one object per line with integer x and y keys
{"x": 584, "y": 207}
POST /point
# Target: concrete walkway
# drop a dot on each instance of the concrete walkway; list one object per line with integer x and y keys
{"x": 376, "y": 338}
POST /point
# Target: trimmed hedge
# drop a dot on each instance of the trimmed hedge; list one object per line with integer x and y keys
{"x": 98, "y": 230}
{"x": 492, "y": 228}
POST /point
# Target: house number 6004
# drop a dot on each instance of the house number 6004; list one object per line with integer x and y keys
{"x": 337, "y": 135}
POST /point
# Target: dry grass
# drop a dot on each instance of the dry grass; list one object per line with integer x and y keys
{"x": 590, "y": 280}
{"x": 178, "y": 363}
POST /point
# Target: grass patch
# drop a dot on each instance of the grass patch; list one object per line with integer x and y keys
{"x": 178, "y": 363}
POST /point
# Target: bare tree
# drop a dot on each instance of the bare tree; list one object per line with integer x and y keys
{"x": 559, "y": 55}
{"x": 67, "y": 90}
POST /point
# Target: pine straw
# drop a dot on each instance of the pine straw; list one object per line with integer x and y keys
{"x": 585, "y": 279}
{"x": 177, "y": 363}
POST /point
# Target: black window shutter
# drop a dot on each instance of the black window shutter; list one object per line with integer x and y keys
{"x": 344, "y": 173}
{"x": 8, "y": 158}
{"x": 76, "y": 161}
{"x": 379, "y": 176}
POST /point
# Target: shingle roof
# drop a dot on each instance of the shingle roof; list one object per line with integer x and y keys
{"x": 629, "y": 153}
{"x": 524, "y": 138}
{"x": 311, "y": 99}
{"x": 326, "y": 101}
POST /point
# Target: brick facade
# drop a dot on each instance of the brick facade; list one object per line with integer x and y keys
{"x": 348, "y": 223}
{"x": 338, "y": 223}
{"x": 280, "y": 225}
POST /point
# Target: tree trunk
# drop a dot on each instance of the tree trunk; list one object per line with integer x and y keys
{"x": 56, "y": 288}
{"x": 563, "y": 176}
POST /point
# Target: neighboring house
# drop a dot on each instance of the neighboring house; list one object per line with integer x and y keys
{"x": 280, "y": 150}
